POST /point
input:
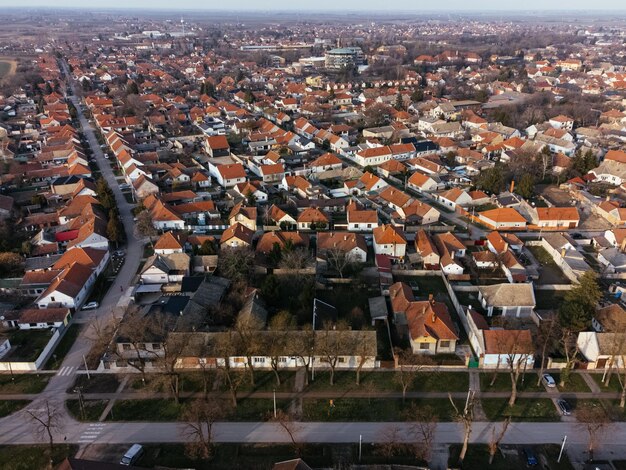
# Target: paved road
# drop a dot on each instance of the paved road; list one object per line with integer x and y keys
{"x": 65, "y": 377}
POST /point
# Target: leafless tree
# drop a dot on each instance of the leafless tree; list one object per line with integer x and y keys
{"x": 303, "y": 347}
{"x": 494, "y": 443}
{"x": 296, "y": 260}
{"x": 423, "y": 421}
{"x": 144, "y": 224}
{"x": 546, "y": 337}
{"x": 199, "y": 419}
{"x": 247, "y": 329}
{"x": 409, "y": 368}
{"x": 225, "y": 348}
{"x": 46, "y": 421}
{"x": 362, "y": 350}
{"x": 338, "y": 260}
{"x": 617, "y": 361}
{"x": 390, "y": 444}
{"x": 289, "y": 423}
{"x": 167, "y": 363}
{"x": 596, "y": 422}
{"x": 466, "y": 418}
{"x": 331, "y": 344}
{"x": 276, "y": 342}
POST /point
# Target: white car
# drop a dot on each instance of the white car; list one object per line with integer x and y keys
{"x": 90, "y": 306}
{"x": 549, "y": 381}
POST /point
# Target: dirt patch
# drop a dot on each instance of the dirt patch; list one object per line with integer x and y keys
{"x": 8, "y": 67}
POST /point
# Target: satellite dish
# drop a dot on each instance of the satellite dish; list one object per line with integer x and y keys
{"x": 2, "y": 317}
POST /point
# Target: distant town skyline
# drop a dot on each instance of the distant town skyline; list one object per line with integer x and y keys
{"x": 331, "y": 5}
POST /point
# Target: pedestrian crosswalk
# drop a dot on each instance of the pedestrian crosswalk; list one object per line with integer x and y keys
{"x": 91, "y": 433}
{"x": 66, "y": 371}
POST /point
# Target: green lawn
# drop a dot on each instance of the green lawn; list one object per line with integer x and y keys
{"x": 11, "y": 406}
{"x": 64, "y": 346}
{"x": 27, "y": 345}
{"x": 346, "y": 381}
{"x": 503, "y": 382}
{"x": 33, "y": 457}
{"x": 235, "y": 456}
{"x": 265, "y": 381}
{"x": 613, "y": 384}
{"x": 507, "y": 458}
{"x": 162, "y": 410}
{"x": 23, "y": 383}
{"x": 547, "y": 299}
{"x": 386, "y": 381}
{"x": 4, "y": 68}
{"x": 93, "y": 409}
{"x": 525, "y": 409}
{"x": 576, "y": 383}
{"x": 96, "y": 383}
{"x": 375, "y": 409}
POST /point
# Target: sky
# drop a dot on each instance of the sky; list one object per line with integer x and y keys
{"x": 320, "y": 5}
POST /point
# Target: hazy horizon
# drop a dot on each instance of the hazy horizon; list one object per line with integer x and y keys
{"x": 330, "y": 5}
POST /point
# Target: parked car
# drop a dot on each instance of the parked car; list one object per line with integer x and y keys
{"x": 531, "y": 459}
{"x": 118, "y": 253}
{"x": 565, "y": 407}
{"x": 124, "y": 186}
{"x": 90, "y": 306}
{"x": 548, "y": 380}
{"x": 132, "y": 455}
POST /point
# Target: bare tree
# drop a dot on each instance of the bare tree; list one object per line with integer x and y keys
{"x": 596, "y": 422}
{"x": 409, "y": 368}
{"x": 275, "y": 344}
{"x": 546, "y": 337}
{"x": 466, "y": 418}
{"x": 167, "y": 363}
{"x": 247, "y": 329}
{"x": 135, "y": 330}
{"x": 331, "y": 344}
{"x": 296, "y": 260}
{"x": 363, "y": 351}
{"x": 338, "y": 260}
{"x": 144, "y": 224}
{"x": 494, "y": 443}
{"x": 390, "y": 442}
{"x": 290, "y": 425}
{"x": 200, "y": 418}
{"x": 423, "y": 421}
{"x": 517, "y": 355}
{"x": 46, "y": 422}
{"x": 225, "y": 348}
{"x": 303, "y": 347}
{"x": 617, "y": 361}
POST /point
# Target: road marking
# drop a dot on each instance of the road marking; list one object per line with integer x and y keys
{"x": 66, "y": 371}
{"x": 91, "y": 433}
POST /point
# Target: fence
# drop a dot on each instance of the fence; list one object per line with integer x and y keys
{"x": 17, "y": 366}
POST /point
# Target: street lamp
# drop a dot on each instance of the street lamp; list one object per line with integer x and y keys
{"x": 274, "y": 403}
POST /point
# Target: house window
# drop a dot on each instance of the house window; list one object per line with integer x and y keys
{"x": 259, "y": 360}
{"x": 156, "y": 345}
{"x": 282, "y": 359}
{"x": 33, "y": 325}
{"x": 341, "y": 360}
{"x": 52, "y": 299}
{"x": 444, "y": 344}
{"x": 126, "y": 347}
{"x": 424, "y": 345}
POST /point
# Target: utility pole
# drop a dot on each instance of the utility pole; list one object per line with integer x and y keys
{"x": 562, "y": 447}
{"x": 86, "y": 368}
{"x": 360, "y": 445}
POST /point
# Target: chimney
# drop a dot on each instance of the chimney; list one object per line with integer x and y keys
{"x": 563, "y": 253}
{"x": 512, "y": 186}
{"x": 622, "y": 245}
{"x": 431, "y": 299}
{"x": 608, "y": 198}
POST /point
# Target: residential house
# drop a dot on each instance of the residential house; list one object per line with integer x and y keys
{"x": 351, "y": 245}
{"x": 165, "y": 269}
{"x": 389, "y": 240}
{"x": 516, "y": 300}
